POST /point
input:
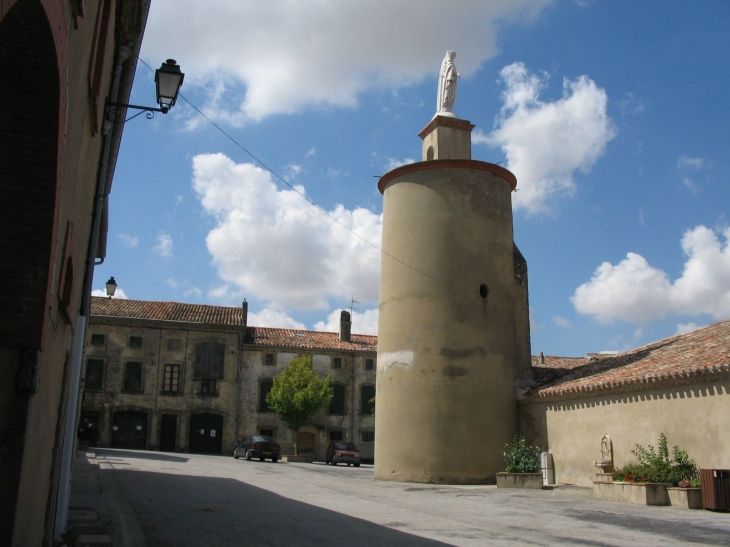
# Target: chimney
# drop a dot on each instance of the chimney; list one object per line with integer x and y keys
{"x": 244, "y": 314}
{"x": 345, "y": 326}
{"x": 542, "y": 358}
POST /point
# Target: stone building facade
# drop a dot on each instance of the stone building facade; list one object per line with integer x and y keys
{"x": 194, "y": 378}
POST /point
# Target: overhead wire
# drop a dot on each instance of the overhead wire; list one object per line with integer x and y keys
{"x": 304, "y": 196}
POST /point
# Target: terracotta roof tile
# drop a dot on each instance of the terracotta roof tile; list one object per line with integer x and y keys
{"x": 221, "y": 315}
{"x": 166, "y": 311}
{"x": 308, "y": 339}
{"x": 705, "y": 351}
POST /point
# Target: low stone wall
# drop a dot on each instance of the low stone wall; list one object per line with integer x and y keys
{"x": 633, "y": 492}
{"x": 519, "y": 480}
{"x": 686, "y": 498}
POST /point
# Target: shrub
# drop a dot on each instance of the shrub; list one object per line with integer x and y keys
{"x": 521, "y": 458}
{"x": 656, "y": 466}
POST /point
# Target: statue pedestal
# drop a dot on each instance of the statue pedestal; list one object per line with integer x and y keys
{"x": 447, "y": 138}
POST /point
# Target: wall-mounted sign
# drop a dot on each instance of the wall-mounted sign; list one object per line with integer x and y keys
{"x": 115, "y": 428}
{"x": 139, "y": 428}
{"x": 212, "y": 432}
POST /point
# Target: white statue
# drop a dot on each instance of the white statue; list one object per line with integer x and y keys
{"x": 447, "y": 84}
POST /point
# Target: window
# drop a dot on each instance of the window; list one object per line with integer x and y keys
{"x": 174, "y": 344}
{"x": 209, "y": 357}
{"x": 369, "y": 364}
{"x": 269, "y": 359}
{"x": 367, "y": 400}
{"x": 267, "y": 432}
{"x": 368, "y": 436}
{"x": 171, "y": 382}
{"x": 94, "y": 374}
{"x": 207, "y": 386}
{"x": 133, "y": 377}
{"x": 337, "y": 362}
{"x": 337, "y": 403}
{"x": 264, "y": 390}
{"x": 335, "y": 435}
{"x": 136, "y": 341}
{"x": 98, "y": 340}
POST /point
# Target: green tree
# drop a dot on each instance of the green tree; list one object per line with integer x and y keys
{"x": 298, "y": 394}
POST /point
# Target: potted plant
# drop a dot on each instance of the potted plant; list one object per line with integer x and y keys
{"x": 655, "y": 479}
{"x": 522, "y": 465}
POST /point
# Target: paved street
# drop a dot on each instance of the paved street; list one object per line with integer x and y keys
{"x": 192, "y": 500}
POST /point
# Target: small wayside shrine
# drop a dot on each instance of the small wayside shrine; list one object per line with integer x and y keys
{"x": 453, "y": 333}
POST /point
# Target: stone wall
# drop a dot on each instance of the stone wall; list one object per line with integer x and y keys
{"x": 238, "y": 403}
{"x": 694, "y": 417}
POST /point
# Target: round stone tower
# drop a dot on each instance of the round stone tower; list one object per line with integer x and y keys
{"x": 453, "y": 333}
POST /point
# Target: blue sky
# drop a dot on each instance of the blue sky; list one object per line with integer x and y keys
{"x": 613, "y": 115}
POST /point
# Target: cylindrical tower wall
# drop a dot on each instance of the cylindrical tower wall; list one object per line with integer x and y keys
{"x": 446, "y": 353}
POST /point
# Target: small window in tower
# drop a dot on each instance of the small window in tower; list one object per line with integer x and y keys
{"x": 337, "y": 362}
{"x": 269, "y": 359}
{"x": 98, "y": 340}
{"x": 483, "y": 291}
{"x": 136, "y": 341}
{"x": 369, "y": 364}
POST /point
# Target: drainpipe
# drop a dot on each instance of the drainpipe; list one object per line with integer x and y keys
{"x": 64, "y": 481}
{"x": 352, "y": 402}
{"x": 239, "y": 379}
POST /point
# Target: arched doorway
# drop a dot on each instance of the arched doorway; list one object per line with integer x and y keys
{"x": 206, "y": 434}
{"x": 129, "y": 430}
{"x": 306, "y": 444}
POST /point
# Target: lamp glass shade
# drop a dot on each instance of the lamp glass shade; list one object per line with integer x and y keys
{"x": 168, "y": 79}
{"x": 111, "y": 287}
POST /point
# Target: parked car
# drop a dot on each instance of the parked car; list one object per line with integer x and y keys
{"x": 258, "y": 446}
{"x": 342, "y": 452}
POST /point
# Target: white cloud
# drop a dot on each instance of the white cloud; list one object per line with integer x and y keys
{"x": 273, "y": 245}
{"x": 129, "y": 241}
{"x": 547, "y": 142}
{"x": 392, "y": 163}
{"x": 563, "y": 322}
{"x": 684, "y": 328}
{"x": 292, "y": 170}
{"x": 171, "y": 281}
{"x": 685, "y": 162}
{"x": 631, "y": 105}
{"x": 365, "y": 322}
{"x": 193, "y": 291}
{"x": 294, "y": 55}
{"x": 163, "y": 247}
{"x": 119, "y": 293}
{"x": 635, "y": 291}
{"x": 274, "y": 319}
{"x": 691, "y": 185}
{"x": 312, "y": 152}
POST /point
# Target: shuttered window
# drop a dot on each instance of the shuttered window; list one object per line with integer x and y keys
{"x": 209, "y": 357}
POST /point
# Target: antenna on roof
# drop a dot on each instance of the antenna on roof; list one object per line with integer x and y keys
{"x": 352, "y": 304}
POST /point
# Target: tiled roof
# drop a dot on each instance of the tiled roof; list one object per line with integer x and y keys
{"x": 166, "y": 311}
{"x": 221, "y": 315}
{"x": 308, "y": 339}
{"x": 702, "y": 353}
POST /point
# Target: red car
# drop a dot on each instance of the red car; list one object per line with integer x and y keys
{"x": 342, "y": 452}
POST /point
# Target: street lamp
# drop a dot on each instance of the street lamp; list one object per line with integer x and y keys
{"x": 168, "y": 81}
{"x": 111, "y": 287}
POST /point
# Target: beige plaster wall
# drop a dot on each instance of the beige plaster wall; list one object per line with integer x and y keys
{"x": 446, "y": 356}
{"x": 694, "y": 417}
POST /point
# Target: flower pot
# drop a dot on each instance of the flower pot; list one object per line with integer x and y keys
{"x": 686, "y": 498}
{"x": 519, "y": 480}
{"x": 302, "y": 458}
